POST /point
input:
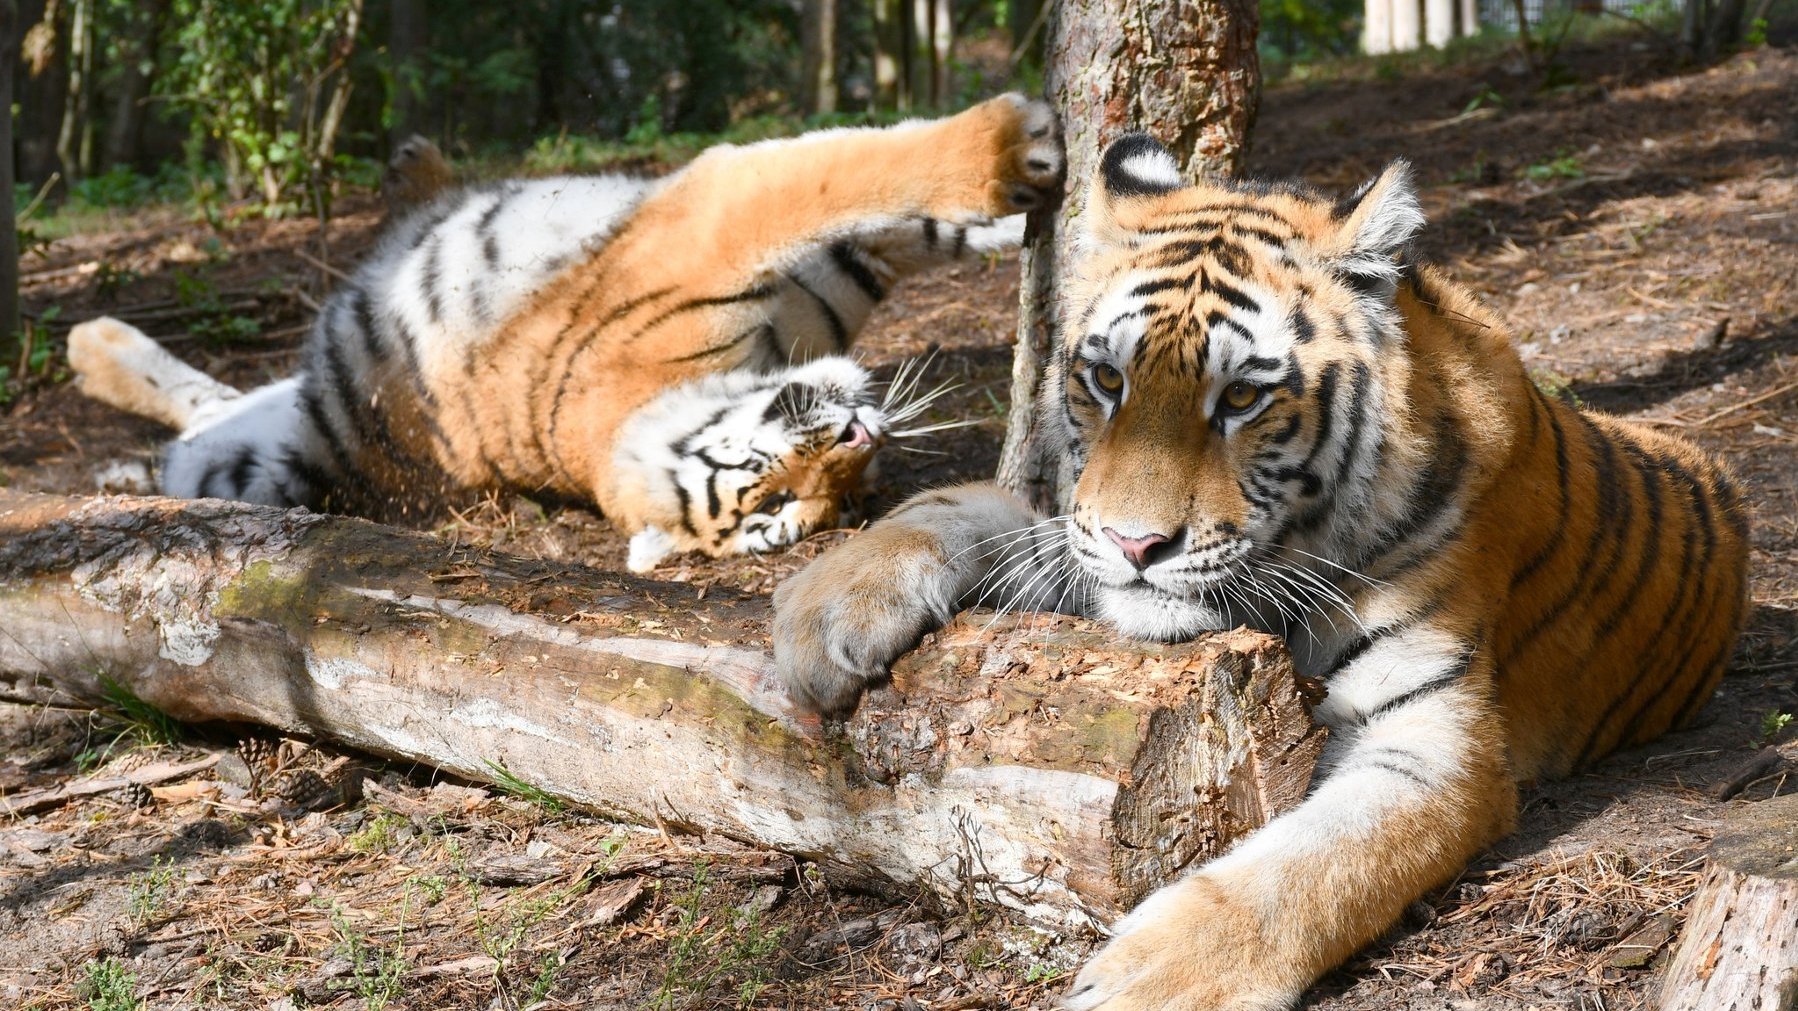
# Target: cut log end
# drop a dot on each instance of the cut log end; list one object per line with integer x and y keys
{"x": 1740, "y": 945}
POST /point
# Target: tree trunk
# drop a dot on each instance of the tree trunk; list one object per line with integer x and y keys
{"x": 72, "y": 146}
{"x": 1376, "y": 27}
{"x": 1407, "y": 25}
{"x": 126, "y": 125}
{"x": 1186, "y": 72}
{"x": 1033, "y": 762}
{"x": 1439, "y": 22}
{"x": 942, "y": 52}
{"x": 1740, "y": 945}
{"x": 1724, "y": 29}
{"x": 44, "y": 52}
{"x": 889, "y": 54}
{"x": 408, "y": 41}
{"x": 918, "y": 73}
{"x": 1469, "y": 18}
{"x": 818, "y": 74}
{"x": 9, "y": 236}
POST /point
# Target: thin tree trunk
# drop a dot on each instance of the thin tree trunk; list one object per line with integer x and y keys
{"x": 1407, "y": 25}
{"x": 45, "y": 56}
{"x": 1469, "y": 18}
{"x": 918, "y": 74}
{"x": 408, "y": 39}
{"x": 1184, "y": 71}
{"x": 942, "y": 52}
{"x": 889, "y": 54}
{"x": 1439, "y": 22}
{"x": 70, "y": 149}
{"x": 9, "y": 236}
{"x": 126, "y": 125}
{"x": 818, "y": 74}
{"x": 1033, "y": 762}
{"x": 1376, "y": 27}
{"x": 1724, "y": 29}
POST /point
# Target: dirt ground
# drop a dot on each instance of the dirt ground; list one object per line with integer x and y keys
{"x": 1637, "y": 223}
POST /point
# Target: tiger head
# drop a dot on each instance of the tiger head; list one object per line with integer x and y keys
{"x": 741, "y": 462}
{"x": 1220, "y": 380}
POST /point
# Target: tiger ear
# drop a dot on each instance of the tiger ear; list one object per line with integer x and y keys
{"x": 1375, "y": 224}
{"x": 1135, "y": 165}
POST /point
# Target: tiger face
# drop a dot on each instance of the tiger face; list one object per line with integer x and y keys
{"x": 744, "y": 463}
{"x": 1219, "y": 384}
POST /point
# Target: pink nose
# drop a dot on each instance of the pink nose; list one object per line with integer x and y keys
{"x": 1136, "y": 548}
{"x": 855, "y": 436}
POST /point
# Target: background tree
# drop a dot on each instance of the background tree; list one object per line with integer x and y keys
{"x": 818, "y": 75}
{"x": 1186, "y": 72}
{"x": 9, "y": 235}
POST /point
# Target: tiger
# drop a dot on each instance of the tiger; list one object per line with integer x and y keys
{"x": 672, "y": 350}
{"x": 1281, "y": 418}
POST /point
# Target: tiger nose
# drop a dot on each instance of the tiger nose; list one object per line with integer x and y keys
{"x": 1136, "y": 548}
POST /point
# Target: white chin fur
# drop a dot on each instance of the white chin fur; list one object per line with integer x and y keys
{"x": 1146, "y": 614}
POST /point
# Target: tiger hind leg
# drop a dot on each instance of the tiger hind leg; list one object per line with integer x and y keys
{"x": 116, "y": 364}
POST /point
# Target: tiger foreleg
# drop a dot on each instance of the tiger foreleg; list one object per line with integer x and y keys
{"x": 1415, "y": 783}
{"x": 844, "y": 618}
{"x": 116, "y": 364}
{"x": 743, "y": 212}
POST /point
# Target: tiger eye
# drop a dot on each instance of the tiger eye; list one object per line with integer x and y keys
{"x": 1240, "y": 396}
{"x": 1109, "y": 379}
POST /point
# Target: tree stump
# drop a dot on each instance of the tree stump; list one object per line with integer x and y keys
{"x": 1032, "y": 761}
{"x": 1740, "y": 945}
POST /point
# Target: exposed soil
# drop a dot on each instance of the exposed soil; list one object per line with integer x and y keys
{"x": 1639, "y": 227}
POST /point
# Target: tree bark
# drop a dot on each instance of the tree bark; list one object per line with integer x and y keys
{"x": 1740, "y": 945}
{"x": 1035, "y": 763}
{"x": 1439, "y": 22}
{"x": 9, "y": 236}
{"x": 1376, "y": 27}
{"x": 44, "y": 51}
{"x": 1186, "y": 72}
{"x": 889, "y": 54}
{"x": 408, "y": 39}
{"x": 125, "y": 128}
{"x": 818, "y": 73}
{"x": 72, "y": 145}
{"x": 1407, "y": 25}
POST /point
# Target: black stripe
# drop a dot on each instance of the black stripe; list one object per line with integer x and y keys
{"x": 1674, "y": 616}
{"x": 1235, "y": 296}
{"x": 1651, "y": 544}
{"x": 432, "y": 271}
{"x": 1394, "y": 760}
{"x": 959, "y": 244}
{"x": 718, "y": 349}
{"x": 1443, "y": 680}
{"x": 1548, "y": 549}
{"x": 1611, "y": 516}
{"x": 240, "y": 470}
{"x": 686, "y": 505}
{"x": 930, "y": 233}
{"x": 844, "y": 256}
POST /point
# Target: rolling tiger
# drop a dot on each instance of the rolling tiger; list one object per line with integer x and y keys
{"x": 670, "y": 349}
{"x": 1280, "y": 419}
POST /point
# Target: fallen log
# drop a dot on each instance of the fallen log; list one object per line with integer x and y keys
{"x": 1739, "y": 948}
{"x": 1035, "y": 762}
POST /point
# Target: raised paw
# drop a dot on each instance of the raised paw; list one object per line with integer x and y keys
{"x": 1186, "y": 948}
{"x": 1024, "y": 139}
{"x": 842, "y": 620}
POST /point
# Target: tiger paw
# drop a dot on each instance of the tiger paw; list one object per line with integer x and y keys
{"x": 843, "y": 619}
{"x": 1025, "y": 139}
{"x": 1188, "y": 947}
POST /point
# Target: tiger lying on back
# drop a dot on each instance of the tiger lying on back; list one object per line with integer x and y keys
{"x": 625, "y": 341}
{"x": 1280, "y": 420}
